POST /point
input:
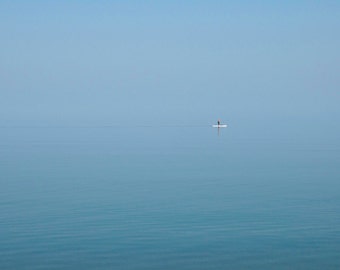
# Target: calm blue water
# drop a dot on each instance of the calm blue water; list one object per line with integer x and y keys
{"x": 167, "y": 198}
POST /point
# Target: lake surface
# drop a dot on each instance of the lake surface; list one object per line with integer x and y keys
{"x": 167, "y": 198}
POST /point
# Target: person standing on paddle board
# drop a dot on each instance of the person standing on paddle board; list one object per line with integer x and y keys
{"x": 218, "y": 122}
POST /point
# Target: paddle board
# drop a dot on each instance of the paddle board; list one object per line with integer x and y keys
{"x": 219, "y": 126}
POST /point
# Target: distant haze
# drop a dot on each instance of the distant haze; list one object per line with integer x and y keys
{"x": 256, "y": 64}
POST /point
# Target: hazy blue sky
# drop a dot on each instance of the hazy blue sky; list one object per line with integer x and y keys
{"x": 171, "y": 62}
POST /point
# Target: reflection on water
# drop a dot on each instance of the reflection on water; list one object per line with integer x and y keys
{"x": 166, "y": 198}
